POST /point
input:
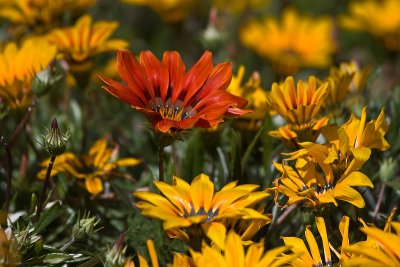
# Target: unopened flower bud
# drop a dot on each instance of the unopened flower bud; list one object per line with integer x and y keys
{"x": 85, "y": 227}
{"x": 116, "y": 255}
{"x": 55, "y": 142}
{"x": 47, "y": 79}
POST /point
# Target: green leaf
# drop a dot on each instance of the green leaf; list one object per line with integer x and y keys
{"x": 48, "y": 216}
{"x": 249, "y": 150}
{"x": 55, "y": 258}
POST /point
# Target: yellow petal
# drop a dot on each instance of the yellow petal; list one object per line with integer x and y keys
{"x": 322, "y": 231}
{"x": 202, "y": 192}
{"x": 94, "y": 185}
{"x": 312, "y": 243}
{"x": 216, "y": 232}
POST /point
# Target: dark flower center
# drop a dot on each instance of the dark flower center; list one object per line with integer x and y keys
{"x": 175, "y": 111}
{"x": 210, "y": 214}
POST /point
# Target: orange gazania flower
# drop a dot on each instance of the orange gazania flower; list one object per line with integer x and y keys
{"x": 172, "y": 99}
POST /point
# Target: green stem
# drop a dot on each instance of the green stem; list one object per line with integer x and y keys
{"x": 44, "y": 188}
{"x": 7, "y": 199}
{"x": 161, "y": 163}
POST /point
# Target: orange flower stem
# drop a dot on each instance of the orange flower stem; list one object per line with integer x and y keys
{"x": 161, "y": 163}
{"x": 7, "y": 199}
{"x": 44, "y": 188}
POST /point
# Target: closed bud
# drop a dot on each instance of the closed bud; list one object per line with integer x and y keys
{"x": 55, "y": 142}
{"x": 47, "y": 79}
{"x": 116, "y": 256}
{"x": 84, "y": 227}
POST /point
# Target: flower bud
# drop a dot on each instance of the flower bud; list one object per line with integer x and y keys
{"x": 84, "y": 228}
{"x": 116, "y": 255}
{"x": 55, "y": 142}
{"x": 47, "y": 79}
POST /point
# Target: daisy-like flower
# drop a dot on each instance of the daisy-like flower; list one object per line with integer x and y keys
{"x": 340, "y": 160}
{"x": 299, "y": 106}
{"x": 40, "y": 15}
{"x": 379, "y": 18}
{"x": 344, "y": 81}
{"x": 98, "y": 164}
{"x": 184, "y": 205}
{"x": 18, "y": 66}
{"x": 304, "y": 184}
{"x": 252, "y": 91}
{"x": 382, "y": 247}
{"x": 172, "y": 99}
{"x": 311, "y": 257}
{"x": 80, "y": 43}
{"x": 169, "y": 10}
{"x": 293, "y": 42}
{"x": 233, "y": 253}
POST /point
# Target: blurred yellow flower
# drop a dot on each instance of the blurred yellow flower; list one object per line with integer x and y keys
{"x": 382, "y": 247}
{"x": 169, "y": 10}
{"x": 39, "y": 15}
{"x": 80, "y": 43}
{"x": 293, "y": 42}
{"x": 18, "y": 66}
{"x": 184, "y": 205}
{"x": 238, "y": 7}
{"x": 299, "y": 106}
{"x": 231, "y": 252}
{"x": 379, "y": 18}
{"x": 252, "y": 91}
{"x": 98, "y": 164}
{"x": 346, "y": 80}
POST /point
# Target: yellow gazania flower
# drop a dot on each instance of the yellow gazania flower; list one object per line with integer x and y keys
{"x": 238, "y": 7}
{"x": 299, "y": 106}
{"x": 293, "y": 42}
{"x": 98, "y": 164}
{"x": 353, "y": 141}
{"x": 379, "y": 18}
{"x": 39, "y": 15}
{"x": 304, "y": 184}
{"x": 310, "y": 257}
{"x": 169, "y": 10}
{"x": 18, "y": 66}
{"x": 382, "y": 247}
{"x": 184, "y": 205}
{"x": 252, "y": 91}
{"x": 80, "y": 43}
{"x": 234, "y": 254}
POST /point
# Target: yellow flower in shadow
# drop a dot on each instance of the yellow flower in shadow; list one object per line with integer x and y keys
{"x": 80, "y": 43}
{"x": 169, "y": 10}
{"x": 345, "y": 83}
{"x": 293, "y": 42}
{"x": 18, "y": 66}
{"x": 99, "y": 164}
{"x": 379, "y": 18}
{"x": 299, "y": 106}
{"x": 40, "y": 15}
{"x": 232, "y": 252}
{"x": 252, "y": 91}
{"x": 382, "y": 247}
{"x": 238, "y": 7}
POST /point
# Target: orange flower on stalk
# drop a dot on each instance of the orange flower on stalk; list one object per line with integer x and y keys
{"x": 173, "y": 99}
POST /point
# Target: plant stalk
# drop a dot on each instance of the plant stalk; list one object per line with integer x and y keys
{"x": 161, "y": 163}
{"x": 44, "y": 188}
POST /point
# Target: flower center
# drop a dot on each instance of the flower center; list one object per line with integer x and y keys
{"x": 210, "y": 214}
{"x": 175, "y": 112}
